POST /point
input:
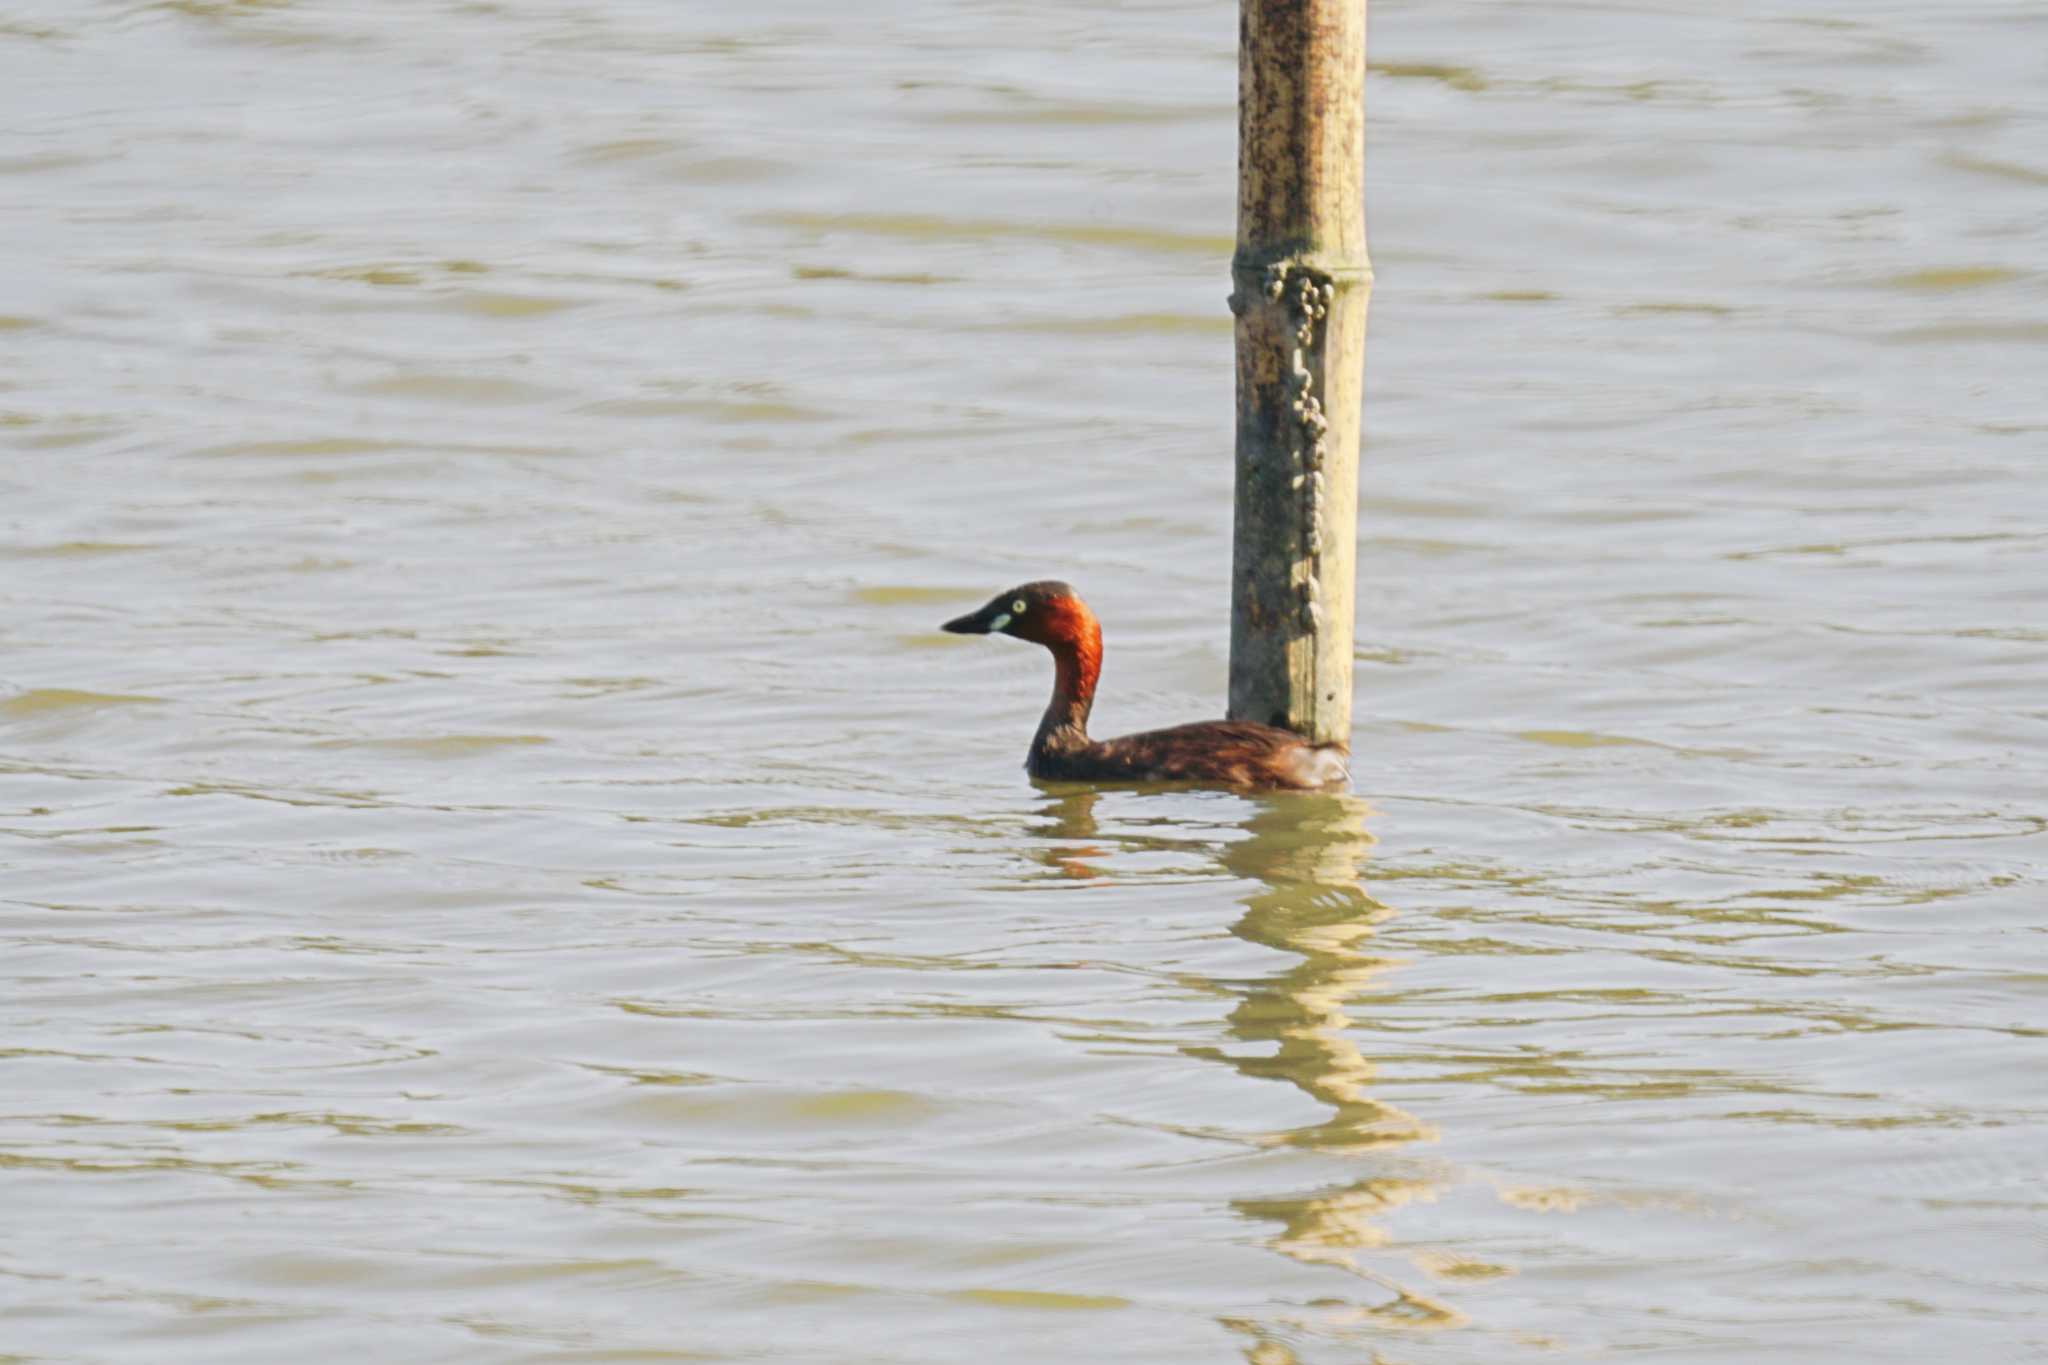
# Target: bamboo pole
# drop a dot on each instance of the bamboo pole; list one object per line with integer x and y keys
{"x": 1301, "y": 284}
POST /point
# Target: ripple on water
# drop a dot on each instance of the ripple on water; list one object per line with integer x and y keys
{"x": 496, "y": 860}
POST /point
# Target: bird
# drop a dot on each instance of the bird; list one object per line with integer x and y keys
{"x": 1224, "y": 753}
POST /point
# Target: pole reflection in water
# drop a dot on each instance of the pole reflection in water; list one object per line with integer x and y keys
{"x": 1305, "y": 852}
{"x": 1309, "y": 852}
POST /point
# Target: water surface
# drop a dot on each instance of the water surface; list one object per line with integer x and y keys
{"x": 497, "y": 862}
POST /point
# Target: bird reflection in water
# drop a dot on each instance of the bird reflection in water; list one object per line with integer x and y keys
{"x": 1305, "y": 853}
{"x": 1069, "y": 817}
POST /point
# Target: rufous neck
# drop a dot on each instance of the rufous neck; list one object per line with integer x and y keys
{"x": 1076, "y": 665}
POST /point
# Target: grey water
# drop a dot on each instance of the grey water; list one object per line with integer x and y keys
{"x": 497, "y": 862}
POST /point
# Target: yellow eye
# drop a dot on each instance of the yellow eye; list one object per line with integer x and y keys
{"x": 1017, "y": 607}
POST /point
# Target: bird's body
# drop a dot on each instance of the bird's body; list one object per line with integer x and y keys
{"x": 1229, "y": 753}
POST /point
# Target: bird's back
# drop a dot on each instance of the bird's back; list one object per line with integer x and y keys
{"x": 1234, "y": 753}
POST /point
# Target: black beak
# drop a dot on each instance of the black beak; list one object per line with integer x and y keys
{"x": 990, "y": 620}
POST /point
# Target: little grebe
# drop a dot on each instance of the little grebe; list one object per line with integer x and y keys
{"x": 1231, "y": 753}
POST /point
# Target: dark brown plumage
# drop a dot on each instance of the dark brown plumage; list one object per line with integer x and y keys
{"x": 1228, "y": 753}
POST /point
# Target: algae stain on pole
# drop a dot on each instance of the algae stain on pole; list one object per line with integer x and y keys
{"x": 1301, "y": 283}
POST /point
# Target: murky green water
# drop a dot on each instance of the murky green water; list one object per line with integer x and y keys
{"x": 497, "y": 864}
